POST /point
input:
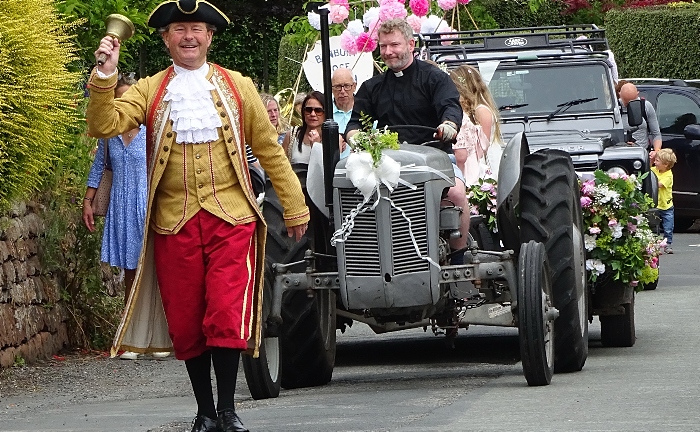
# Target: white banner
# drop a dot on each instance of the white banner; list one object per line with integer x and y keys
{"x": 360, "y": 64}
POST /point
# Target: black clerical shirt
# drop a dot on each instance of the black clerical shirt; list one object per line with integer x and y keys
{"x": 421, "y": 94}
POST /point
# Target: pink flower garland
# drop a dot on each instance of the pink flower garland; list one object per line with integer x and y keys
{"x": 463, "y": 2}
{"x": 391, "y": 9}
{"x": 415, "y": 22}
{"x": 447, "y": 4}
{"x": 348, "y": 43}
{"x": 338, "y": 14}
{"x": 420, "y": 8}
{"x": 365, "y": 43}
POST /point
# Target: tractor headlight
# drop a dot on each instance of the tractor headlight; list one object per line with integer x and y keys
{"x": 617, "y": 170}
{"x": 637, "y": 164}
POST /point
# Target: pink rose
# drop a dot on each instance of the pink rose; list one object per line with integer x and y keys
{"x": 348, "y": 43}
{"x": 463, "y": 2}
{"x": 594, "y": 230}
{"x": 340, "y": 3}
{"x": 419, "y": 7}
{"x": 338, "y": 14}
{"x": 588, "y": 187}
{"x": 391, "y": 10}
{"x": 634, "y": 283}
{"x": 447, "y": 4}
{"x": 365, "y": 43}
{"x": 586, "y": 201}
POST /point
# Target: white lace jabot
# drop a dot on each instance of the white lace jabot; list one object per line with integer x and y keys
{"x": 195, "y": 119}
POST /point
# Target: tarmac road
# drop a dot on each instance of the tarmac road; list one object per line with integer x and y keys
{"x": 407, "y": 381}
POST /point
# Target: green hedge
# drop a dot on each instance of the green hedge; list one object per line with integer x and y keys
{"x": 659, "y": 42}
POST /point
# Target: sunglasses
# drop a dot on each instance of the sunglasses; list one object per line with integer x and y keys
{"x": 317, "y": 110}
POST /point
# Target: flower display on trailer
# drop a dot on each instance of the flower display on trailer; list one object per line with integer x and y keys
{"x": 618, "y": 241}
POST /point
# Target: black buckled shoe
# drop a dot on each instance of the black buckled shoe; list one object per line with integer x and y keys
{"x": 229, "y": 421}
{"x": 202, "y": 423}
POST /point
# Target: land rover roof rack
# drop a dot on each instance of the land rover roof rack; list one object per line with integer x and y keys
{"x": 553, "y": 41}
{"x": 666, "y": 81}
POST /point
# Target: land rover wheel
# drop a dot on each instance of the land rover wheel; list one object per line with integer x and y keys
{"x": 618, "y": 330}
{"x": 535, "y": 319}
{"x": 550, "y": 213}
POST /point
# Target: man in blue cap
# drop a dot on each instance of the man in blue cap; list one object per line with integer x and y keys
{"x": 198, "y": 289}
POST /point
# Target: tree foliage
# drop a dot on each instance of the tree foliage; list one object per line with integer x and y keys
{"x": 90, "y": 15}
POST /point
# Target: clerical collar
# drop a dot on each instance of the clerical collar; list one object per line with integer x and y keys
{"x": 406, "y": 70}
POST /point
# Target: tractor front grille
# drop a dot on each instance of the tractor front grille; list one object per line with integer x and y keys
{"x": 406, "y": 259}
{"x": 362, "y": 246}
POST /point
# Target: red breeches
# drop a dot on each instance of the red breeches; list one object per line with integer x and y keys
{"x": 206, "y": 274}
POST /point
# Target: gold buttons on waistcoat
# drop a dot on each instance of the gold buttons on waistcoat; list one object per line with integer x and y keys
{"x": 218, "y": 103}
{"x": 197, "y": 156}
{"x": 202, "y": 199}
{"x": 226, "y": 127}
{"x": 169, "y": 134}
{"x": 162, "y": 161}
{"x": 230, "y": 139}
{"x": 200, "y": 185}
{"x": 223, "y": 114}
{"x": 166, "y": 148}
{"x": 233, "y": 153}
{"x": 199, "y": 170}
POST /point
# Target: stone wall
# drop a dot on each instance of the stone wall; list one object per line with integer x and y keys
{"x": 32, "y": 317}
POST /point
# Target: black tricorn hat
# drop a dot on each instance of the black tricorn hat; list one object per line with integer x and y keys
{"x": 171, "y": 11}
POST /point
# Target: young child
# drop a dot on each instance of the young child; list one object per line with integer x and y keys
{"x": 664, "y": 161}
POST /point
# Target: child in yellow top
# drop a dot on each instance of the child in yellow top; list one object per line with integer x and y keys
{"x": 663, "y": 162}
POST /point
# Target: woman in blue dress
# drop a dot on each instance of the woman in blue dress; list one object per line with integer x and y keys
{"x": 122, "y": 237}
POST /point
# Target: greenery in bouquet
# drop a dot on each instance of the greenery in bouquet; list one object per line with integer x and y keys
{"x": 618, "y": 240}
{"x": 373, "y": 140}
{"x": 482, "y": 201}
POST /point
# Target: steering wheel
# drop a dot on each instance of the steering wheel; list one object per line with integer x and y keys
{"x": 433, "y": 143}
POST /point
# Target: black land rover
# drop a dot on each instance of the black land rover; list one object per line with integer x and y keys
{"x": 555, "y": 84}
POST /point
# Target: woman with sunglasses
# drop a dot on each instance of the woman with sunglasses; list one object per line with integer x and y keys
{"x": 298, "y": 143}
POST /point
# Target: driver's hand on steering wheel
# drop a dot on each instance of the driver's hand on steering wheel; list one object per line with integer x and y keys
{"x": 447, "y": 131}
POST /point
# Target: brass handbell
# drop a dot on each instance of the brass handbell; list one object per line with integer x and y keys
{"x": 119, "y": 27}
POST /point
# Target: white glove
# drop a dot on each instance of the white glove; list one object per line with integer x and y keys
{"x": 447, "y": 131}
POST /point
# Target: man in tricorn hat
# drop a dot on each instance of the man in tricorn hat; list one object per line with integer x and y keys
{"x": 202, "y": 261}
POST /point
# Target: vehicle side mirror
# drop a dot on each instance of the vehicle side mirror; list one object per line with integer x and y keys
{"x": 692, "y": 132}
{"x": 634, "y": 112}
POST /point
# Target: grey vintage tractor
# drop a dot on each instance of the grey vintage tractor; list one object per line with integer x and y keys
{"x": 394, "y": 270}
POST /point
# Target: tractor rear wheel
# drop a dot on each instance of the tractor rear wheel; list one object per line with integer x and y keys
{"x": 550, "y": 213}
